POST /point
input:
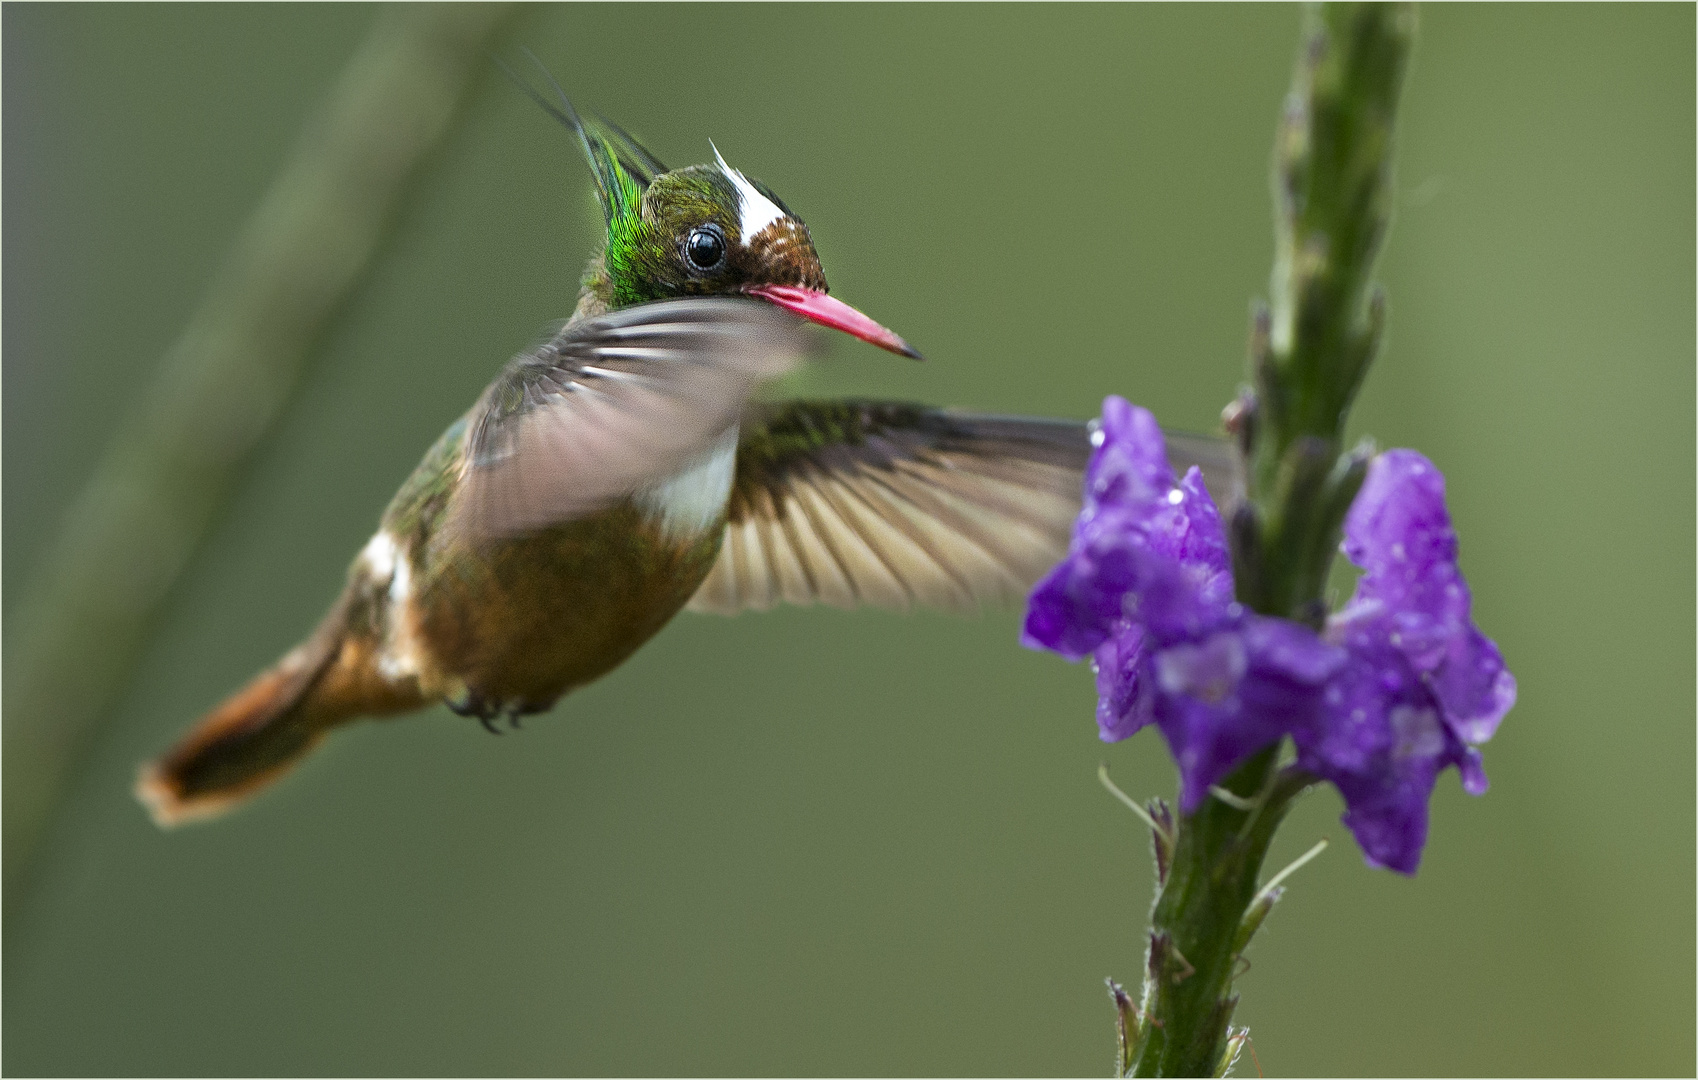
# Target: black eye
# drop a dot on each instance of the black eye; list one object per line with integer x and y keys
{"x": 705, "y": 247}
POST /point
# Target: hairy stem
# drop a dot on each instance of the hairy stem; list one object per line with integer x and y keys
{"x": 1308, "y": 354}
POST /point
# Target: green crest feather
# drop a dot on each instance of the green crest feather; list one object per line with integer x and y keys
{"x": 621, "y": 166}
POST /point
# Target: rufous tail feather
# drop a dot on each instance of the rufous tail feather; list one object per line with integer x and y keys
{"x": 260, "y": 732}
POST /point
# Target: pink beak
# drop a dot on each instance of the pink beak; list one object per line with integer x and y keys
{"x": 820, "y": 308}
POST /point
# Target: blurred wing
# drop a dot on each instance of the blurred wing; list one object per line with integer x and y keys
{"x": 894, "y": 505}
{"x": 611, "y": 404}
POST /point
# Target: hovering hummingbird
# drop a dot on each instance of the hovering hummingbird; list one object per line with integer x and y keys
{"x": 622, "y": 471}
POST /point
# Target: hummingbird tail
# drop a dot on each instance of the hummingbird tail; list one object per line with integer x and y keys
{"x": 261, "y": 731}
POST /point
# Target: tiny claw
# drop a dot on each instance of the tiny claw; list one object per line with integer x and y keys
{"x": 513, "y": 720}
{"x": 488, "y": 723}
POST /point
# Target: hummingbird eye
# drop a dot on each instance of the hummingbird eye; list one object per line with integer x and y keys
{"x": 705, "y": 248}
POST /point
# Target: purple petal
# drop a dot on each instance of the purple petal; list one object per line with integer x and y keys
{"x": 1076, "y": 605}
{"x": 1390, "y": 826}
{"x": 1381, "y": 739}
{"x": 1200, "y": 714}
{"x": 1398, "y": 531}
{"x": 1474, "y": 687}
{"x": 1209, "y": 740}
{"x": 1125, "y": 701}
{"x": 1225, "y": 697}
{"x": 1473, "y": 771}
{"x": 1186, "y": 587}
{"x": 1141, "y": 547}
{"x": 1188, "y": 529}
{"x": 1061, "y": 615}
{"x": 1209, "y": 670}
{"x": 1386, "y": 778}
{"x": 1281, "y": 647}
{"x": 1129, "y": 464}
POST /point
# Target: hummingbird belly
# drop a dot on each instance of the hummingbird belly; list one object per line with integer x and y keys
{"x": 521, "y": 621}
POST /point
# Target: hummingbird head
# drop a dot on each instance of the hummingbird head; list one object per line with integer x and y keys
{"x": 704, "y": 230}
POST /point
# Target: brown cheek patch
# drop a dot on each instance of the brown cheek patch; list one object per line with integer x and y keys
{"x": 783, "y": 254}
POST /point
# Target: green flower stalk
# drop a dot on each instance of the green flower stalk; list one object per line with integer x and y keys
{"x": 1332, "y": 182}
{"x": 1332, "y": 185}
{"x": 1213, "y": 628}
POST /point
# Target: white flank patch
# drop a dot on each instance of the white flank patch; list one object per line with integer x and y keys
{"x": 379, "y": 556}
{"x": 402, "y": 583}
{"x": 688, "y": 503}
{"x": 754, "y": 210}
{"x": 391, "y": 570}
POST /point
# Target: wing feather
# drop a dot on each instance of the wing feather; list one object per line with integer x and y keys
{"x": 788, "y": 551}
{"x": 879, "y": 503}
{"x": 614, "y": 403}
{"x": 871, "y": 575}
{"x": 827, "y": 573}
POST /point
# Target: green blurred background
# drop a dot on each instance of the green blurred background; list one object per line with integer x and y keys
{"x": 818, "y": 842}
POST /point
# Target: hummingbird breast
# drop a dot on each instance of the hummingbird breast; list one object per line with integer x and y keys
{"x": 692, "y": 500}
{"x": 510, "y": 624}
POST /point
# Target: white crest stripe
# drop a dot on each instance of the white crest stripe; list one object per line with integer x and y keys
{"x": 754, "y": 210}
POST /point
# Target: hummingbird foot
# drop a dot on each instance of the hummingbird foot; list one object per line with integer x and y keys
{"x": 525, "y": 707}
{"x": 472, "y": 703}
{"x": 489, "y": 711}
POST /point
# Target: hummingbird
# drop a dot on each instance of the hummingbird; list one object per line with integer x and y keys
{"x": 625, "y": 470}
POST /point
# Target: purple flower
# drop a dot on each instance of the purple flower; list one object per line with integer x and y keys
{"x": 1401, "y": 685}
{"x": 1146, "y": 590}
{"x": 1124, "y": 534}
{"x": 1422, "y": 686}
{"x": 1220, "y": 699}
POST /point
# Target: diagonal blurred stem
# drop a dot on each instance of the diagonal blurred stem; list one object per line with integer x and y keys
{"x": 77, "y": 630}
{"x": 1332, "y": 195}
